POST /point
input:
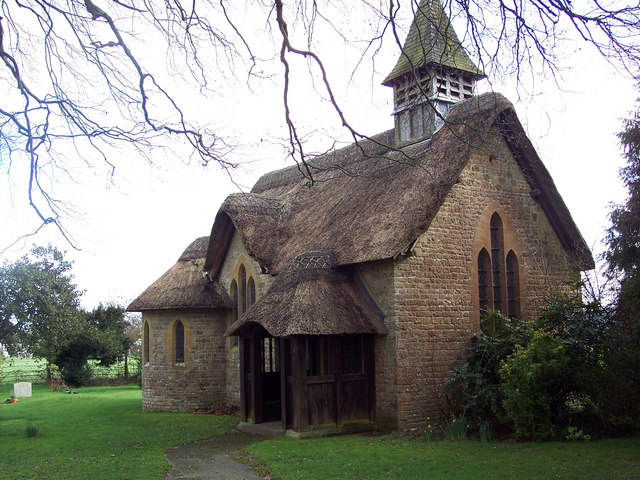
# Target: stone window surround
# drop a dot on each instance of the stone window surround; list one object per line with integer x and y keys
{"x": 249, "y": 289}
{"x": 146, "y": 343}
{"x": 179, "y": 343}
{"x": 171, "y": 342}
{"x": 510, "y": 242}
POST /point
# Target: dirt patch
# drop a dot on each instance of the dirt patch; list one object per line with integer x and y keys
{"x": 217, "y": 458}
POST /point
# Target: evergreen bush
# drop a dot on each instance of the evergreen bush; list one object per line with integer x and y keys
{"x": 533, "y": 378}
{"x": 475, "y": 388}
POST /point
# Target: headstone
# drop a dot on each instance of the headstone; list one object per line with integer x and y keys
{"x": 22, "y": 389}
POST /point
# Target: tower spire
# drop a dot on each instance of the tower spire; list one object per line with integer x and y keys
{"x": 432, "y": 74}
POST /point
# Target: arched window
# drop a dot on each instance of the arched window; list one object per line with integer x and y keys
{"x": 513, "y": 287}
{"x": 243, "y": 289}
{"x": 252, "y": 291}
{"x": 496, "y": 261}
{"x": 243, "y": 293}
{"x": 234, "y": 300}
{"x": 483, "y": 280}
{"x": 145, "y": 343}
{"x": 497, "y": 269}
{"x": 179, "y": 339}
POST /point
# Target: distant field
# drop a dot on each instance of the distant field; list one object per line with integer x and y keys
{"x": 34, "y": 370}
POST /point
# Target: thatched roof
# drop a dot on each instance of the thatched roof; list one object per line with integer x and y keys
{"x": 371, "y": 202}
{"x": 182, "y": 286}
{"x": 432, "y": 41}
{"x": 311, "y": 297}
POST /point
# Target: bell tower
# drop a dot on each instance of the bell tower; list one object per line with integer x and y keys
{"x": 432, "y": 74}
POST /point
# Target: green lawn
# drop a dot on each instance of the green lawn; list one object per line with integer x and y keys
{"x": 100, "y": 433}
{"x": 393, "y": 457}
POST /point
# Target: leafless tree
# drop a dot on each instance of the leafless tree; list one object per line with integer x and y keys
{"x": 80, "y": 77}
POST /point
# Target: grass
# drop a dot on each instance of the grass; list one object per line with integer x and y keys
{"x": 394, "y": 457}
{"x": 99, "y": 433}
{"x": 102, "y": 433}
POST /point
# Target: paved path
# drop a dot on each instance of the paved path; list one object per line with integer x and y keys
{"x": 212, "y": 459}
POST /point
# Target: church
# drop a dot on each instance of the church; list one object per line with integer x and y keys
{"x": 344, "y": 305}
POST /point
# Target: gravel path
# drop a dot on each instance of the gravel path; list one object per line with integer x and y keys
{"x": 213, "y": 459}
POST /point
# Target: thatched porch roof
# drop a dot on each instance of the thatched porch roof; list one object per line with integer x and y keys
{"x": 311, "y": 297}
{"x": 371, "y": 201}
{"x": 182, "y": 286}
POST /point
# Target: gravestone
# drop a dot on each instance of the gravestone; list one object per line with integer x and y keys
{"x": 22, "y": 389}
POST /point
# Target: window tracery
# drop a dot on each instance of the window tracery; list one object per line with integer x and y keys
{"x": 497, "y": 269}
{"x": 242, "y": 291}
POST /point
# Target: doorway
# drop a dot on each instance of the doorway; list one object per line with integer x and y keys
{"x": 261, "y": 366}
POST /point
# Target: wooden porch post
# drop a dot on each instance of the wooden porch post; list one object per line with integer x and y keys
{"x": 283, "y": 382}
{"x": 299, "y": 394}
{"x": 244, "y": 412}
{"x": 256, "y": 380}
{"x": 369, "y": 365}
{"x": 336, "y": 353}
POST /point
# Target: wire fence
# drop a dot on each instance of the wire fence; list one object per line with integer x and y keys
{"x": 35, "y": 371}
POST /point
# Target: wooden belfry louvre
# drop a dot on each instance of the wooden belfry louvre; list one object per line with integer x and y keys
{"x": 308, "y": 363}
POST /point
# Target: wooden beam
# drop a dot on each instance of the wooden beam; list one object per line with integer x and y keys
{"x": 283, "y": 382}
{"x": 299, "y": 394}
{"x": 244, "y": 413}
{"x": 336, "y": 353}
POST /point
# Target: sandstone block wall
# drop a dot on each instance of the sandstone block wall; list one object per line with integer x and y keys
{"x": 237, "y": 255}
{"x": 201, "y": 380}
{"x": 434, "y": 285}
{"x": 379, "y": 282}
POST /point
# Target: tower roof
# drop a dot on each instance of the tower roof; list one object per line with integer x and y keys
{"x": 432, "y": 41}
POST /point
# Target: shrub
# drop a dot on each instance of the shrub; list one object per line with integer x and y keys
{"x": 54, "y": 381}
{"x": 31, "y": 431}
{"x": 485, "y": 433}
{"x": 533, "y": 377}
{"x": 601, "y": 391}
{"x": 456, "y": 430}
{"x": 573, "y": 433}
{"x": 597, "y": 392}
{"x": 475, "y": 386}
{"x": 76, "y": 374}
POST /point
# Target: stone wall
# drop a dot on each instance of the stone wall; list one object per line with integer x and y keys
{"x": 237, "y": 255}
{"x": 201, "y": 379}
{"x": 434, "y": 284}
{"x": 378, "y": 280}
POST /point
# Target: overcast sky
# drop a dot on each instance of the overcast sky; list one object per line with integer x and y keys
{"x": 131, "y": 232}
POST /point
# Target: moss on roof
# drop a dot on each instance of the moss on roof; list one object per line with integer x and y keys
{"x": 432, "y": 41}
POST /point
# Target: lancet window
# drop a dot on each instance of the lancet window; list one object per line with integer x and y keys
{"x": 497, "y": 273}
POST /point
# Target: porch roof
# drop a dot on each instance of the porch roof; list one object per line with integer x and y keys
{"x": 311, "y": 297}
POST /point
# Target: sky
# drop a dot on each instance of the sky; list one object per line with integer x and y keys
{"x": 131, "y": 230}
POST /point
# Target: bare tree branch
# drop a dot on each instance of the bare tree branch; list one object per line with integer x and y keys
{"x": 77, "y": 76}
